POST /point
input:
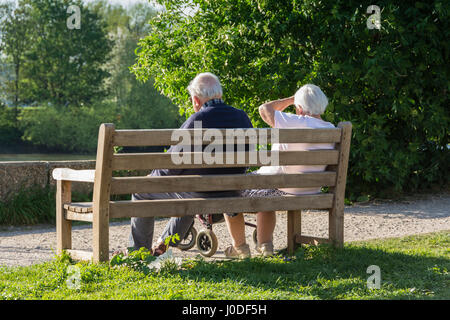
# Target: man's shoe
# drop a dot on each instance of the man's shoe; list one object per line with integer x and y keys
{"x": 241, "y": 252}
{"x": 265, "y": 249}
{"x": 159, "y": 249}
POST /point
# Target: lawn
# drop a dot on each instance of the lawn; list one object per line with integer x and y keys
{"x": 415, "y": 267}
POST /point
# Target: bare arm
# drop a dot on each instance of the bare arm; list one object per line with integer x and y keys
{"x": 267, "y": 110}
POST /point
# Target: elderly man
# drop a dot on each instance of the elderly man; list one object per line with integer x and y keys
{"x": 310, "y": 102}
{"x": 206, "y": 96}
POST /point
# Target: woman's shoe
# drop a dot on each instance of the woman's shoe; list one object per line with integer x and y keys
{"x": 266, "y": 249}
{"x": 241, "y": 252}
{"x": 123, "y": 252}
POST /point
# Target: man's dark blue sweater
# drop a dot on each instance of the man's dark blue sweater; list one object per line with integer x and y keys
{"x": 213, "y": 114}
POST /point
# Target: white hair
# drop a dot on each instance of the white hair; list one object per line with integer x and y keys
{"x": 205, "y": 85}
{"x": 311, "y": 99}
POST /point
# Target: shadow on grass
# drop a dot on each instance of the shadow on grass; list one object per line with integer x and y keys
{"x": 327, "y": 273}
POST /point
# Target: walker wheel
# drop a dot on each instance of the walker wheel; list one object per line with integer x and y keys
{"x": 189, "y": 240}
{"x": 207, "y": 243}
{"x": 255, "y": 238}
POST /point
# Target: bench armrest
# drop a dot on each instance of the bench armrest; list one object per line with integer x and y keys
{"x": 73, "y": 175}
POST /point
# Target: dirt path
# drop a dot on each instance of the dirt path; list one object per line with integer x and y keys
{"x": 21, "y": 246}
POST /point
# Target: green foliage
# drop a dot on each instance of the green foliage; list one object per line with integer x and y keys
{"x": 140, "y": 260}
{"x": 136, "y": 259}
{"x": 14, "y": 25}
{"x": 84, "y": 76}
{"x": 62, "y": 65}
{"x": 33, "y": 205}
{"x": 29, "y": 206}
{"x": 9, "y": 133}
{"x": 74, "y": 129}
{"x": 415, "y": 267}
{"x": 390, "y": 83}
{"x": 173, "y": 238}
{"x": 140, "y": 106}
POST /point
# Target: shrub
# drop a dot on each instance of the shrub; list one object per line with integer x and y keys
{"x": 75, "y": 129}
{"x": 71, "y": 129}
{"x": 9, "y": 133}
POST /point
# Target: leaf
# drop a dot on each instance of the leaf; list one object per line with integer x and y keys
{"x": 116, "y": 260}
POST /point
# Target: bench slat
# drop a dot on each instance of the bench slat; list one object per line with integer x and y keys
{"x": 79, "y": 207}
{"x": 183, "y": 207}
{"x": 197, "y": 183}
{"x": 143, "y": 161}
{"x": 73, "y": 175}
{"x": 163, "y": 137}
{"x": 80, "y": 255}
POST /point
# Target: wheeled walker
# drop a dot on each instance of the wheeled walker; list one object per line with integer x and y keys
{"x": 206, "y": 240}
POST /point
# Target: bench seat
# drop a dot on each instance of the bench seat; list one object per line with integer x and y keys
{"x": 81, "y": 211}
{"x": 79, "y": 207}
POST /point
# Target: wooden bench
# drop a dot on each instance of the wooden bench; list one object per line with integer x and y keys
{"x": 102, "y": 209}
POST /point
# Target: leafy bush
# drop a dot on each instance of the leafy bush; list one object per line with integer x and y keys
{"x": 390, "y": 83}
{"x": 142, "y": 259}
{"x": 137, "y": 259}
{"x": 75, "y": 129}
{"x": 9, "y": 133}
{"x": 72, "y": 129}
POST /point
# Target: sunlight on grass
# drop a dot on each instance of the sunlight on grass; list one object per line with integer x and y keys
{"x": 411, "y": 268}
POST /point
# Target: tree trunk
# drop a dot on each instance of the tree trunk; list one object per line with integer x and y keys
{"x": 16, "y": 96}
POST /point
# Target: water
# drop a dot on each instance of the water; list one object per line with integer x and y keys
{"x": 45, "y": 157}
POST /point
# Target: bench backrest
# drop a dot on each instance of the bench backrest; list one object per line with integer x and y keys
{"x": 106, "y": 185}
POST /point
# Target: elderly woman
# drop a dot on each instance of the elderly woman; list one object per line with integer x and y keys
{"x": 310, "y": 102}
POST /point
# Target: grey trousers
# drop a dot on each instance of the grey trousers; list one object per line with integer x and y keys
{"x": 142, "y": 229}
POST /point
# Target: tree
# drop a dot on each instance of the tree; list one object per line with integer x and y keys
{"x": 13, "y": 43}
{"x": 391, "y": 83}
{"x": 140, "y": 104}
{"x": 9, "y": 132}
{"x": 64, "y": 66}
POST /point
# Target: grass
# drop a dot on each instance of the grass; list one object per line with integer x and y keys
{"x": 415, "y": 267}
{"x": 32, "y": 205}
{"x": 37, "y": 204}
{"x": 28, "y": 206}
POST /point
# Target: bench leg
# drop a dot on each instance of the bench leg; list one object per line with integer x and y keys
{"x": 100, "y": 228}
{"x": 63, "y": 226}
{"x": 101, "y": 195}
{"x": 336, "y": 227}
{"x": 294, "y": 228}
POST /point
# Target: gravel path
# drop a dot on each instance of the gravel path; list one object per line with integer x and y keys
{"x": 20, "y": 246}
